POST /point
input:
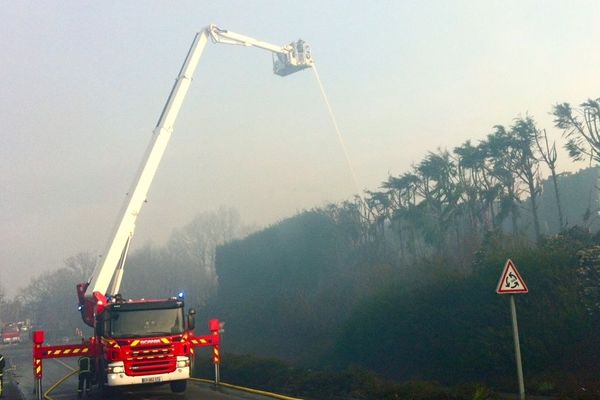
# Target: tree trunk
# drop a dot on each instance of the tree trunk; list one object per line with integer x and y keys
{"x": 513, "y": 213}
{"x": 560, "y": 214}
{"x": 536, "y": 221}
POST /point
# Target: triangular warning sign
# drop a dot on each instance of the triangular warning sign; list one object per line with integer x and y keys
{"x": 511, "y": 281}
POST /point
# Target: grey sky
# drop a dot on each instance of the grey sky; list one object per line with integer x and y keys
{"x": 83, "y": 84}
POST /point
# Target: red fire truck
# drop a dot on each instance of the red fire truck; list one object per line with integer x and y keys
{"x": 150, "y": 341}
{"x": 11, "y": 334}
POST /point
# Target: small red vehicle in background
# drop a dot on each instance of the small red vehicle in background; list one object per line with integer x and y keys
{"x": 11, "y": 334}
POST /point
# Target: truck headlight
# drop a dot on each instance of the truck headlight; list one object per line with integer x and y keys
{"x": 116, "y": 368}
{"x": 183, "y": 363}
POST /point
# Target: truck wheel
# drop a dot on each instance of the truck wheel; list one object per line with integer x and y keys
{"x": 178, "y": 386}
{"x": 102, "y": 381}
{"x": 106, "y": 390}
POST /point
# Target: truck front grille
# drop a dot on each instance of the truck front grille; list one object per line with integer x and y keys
{"x": 148, "y": 360}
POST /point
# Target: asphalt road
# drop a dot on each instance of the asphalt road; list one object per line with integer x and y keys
{"x": 20, "y": 375}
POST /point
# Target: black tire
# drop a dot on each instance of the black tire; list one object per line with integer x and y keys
{"x": 178, "y": 386}
{"x": 105, "y": 390}
{"x": 102, "y": 381}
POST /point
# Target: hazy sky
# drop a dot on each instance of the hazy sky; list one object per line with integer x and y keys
{"x": 83, "y": 83}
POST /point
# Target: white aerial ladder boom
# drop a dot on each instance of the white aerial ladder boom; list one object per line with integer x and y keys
{"x": 286, "y": 59}
{"x": 106, "y": 278}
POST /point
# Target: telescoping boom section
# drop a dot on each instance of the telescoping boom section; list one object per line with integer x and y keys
{"x": 106, "y": 278}
{"x": 150, "y": 341}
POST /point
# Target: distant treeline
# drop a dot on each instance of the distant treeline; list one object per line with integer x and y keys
{"x": 184, "y": 264}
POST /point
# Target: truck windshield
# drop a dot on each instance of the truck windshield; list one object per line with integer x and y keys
{"x": 143, "y": 323}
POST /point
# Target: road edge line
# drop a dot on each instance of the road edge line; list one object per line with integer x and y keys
{"x": 248, "y": 390}
{"x": 227, "y": 385}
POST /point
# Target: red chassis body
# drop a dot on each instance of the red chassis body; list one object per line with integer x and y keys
{"x": 143, "y": 359}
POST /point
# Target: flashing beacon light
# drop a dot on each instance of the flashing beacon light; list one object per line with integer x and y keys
{"x": 180, "y": 295}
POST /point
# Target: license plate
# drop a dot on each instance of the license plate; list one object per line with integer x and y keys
{"x": 151, "y": 379}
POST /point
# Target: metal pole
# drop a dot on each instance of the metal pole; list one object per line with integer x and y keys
{"x": 217, "y": 375}
{"x": 217, "y": 362}
{"x": 38, "y": 389}
{"x": 513, "y": 310}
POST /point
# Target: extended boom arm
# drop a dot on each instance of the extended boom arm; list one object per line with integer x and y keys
{"x": 286, "y": 59}
{"x": 106, "y": 278}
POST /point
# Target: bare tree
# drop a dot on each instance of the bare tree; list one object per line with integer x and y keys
{"x": 500, "y": 150}
{"x": 440, "y": 198}
{"x": 191, "y": 250}
{"x": 526, "y": 165}
{"x": 548, "y": 154}
{"x": 470, "y": 162}
{"x": 402, "y": 192}
{"x": 82, "y": 265}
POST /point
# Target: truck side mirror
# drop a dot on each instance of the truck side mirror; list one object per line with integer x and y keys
{"x": 191, "y": 319}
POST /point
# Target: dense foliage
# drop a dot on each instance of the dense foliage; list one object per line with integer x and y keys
{"x": 431, "y": 321}
{"x": 352, "y": 383}
{"x": 456, "y": 328}
{"x": 290, "y": 281}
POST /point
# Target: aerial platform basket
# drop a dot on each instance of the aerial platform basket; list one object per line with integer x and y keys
{"x": 297, "y": 58}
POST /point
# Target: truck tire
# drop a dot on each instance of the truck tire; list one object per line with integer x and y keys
{"x": 102, "y": 381}
{"x": 178, "y": 386}
{"x": 105, "y": 390}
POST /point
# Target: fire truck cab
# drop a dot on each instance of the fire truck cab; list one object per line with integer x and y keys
{"x": 145, "y": 341}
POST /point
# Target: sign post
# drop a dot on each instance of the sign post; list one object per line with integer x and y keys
{"x": 513, "y": 310}
{"x": 38, "y": 340}
{"x": 511, "y": 283}
{"x": 215, "y": 327}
